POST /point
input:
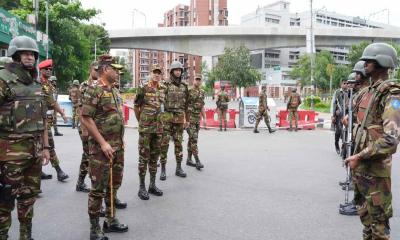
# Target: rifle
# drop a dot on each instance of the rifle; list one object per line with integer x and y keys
{"x": 344, "y": 128}
{"x": 111, "y": 188}
{"x": 349, "y": 145}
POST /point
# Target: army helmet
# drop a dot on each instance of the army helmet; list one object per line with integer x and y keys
{"x": 175, "y": 65}
{"x": 352, "y": 78}
{"x": 23, "y": 43}
{"x": 53, "y": 79}
{"x": 75, "y": 82}
{"x": 359, "y": 67}
{"x": 384, "y": 54}
{"x": 4, "y": 61}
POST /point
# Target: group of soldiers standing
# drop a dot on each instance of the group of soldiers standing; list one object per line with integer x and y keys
{"x": 372, "y": 99}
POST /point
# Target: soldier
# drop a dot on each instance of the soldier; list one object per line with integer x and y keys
{"x": 338, "y": 114}
{"x": 23, "y": 136}
{"x": 4, "y": 61}
{"x": 222, "y": 105}
{"x": 360, "y": 86}
{"x": 102, "y": 116}
{"x": 46, "y": 68}
{"x": 74, "y": 96}
{"x": 149, "y": 104}
{"x": 53, "y": 81}
{"x": 293, "y": 104}
{"x": 263, "y": 110}
{"x": 377, "y": 137}
{"x": 195, "y": 111}
{"x": 174, "y": 118}
{"x": 83, "y": 133}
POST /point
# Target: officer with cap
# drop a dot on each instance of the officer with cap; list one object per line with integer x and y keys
{"x": 175, "y": 118}
{"x": 74, "y": 96}
{"x": 24, "y": 142}
{"x": 376, "y": 140}
{"x": 46, "y": 68}
{"x": 53, "y": 81}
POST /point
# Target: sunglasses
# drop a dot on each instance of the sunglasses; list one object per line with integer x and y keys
{"x": 48, "y": 69}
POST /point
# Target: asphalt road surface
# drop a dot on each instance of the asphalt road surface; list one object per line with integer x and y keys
{"x": 280, "y": 186}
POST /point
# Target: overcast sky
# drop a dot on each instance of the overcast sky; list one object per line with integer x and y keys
{"x": 117, "y": 14}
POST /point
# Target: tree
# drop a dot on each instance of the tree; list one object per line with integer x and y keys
{"x": 356, "y": 52}
{"x": 73, "y": 40}
{"x": 234, "y": 65}
{"x": 8, "y": 5}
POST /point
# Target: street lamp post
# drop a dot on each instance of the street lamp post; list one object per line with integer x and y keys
{"x": 133, "y": 17}
{"x": 95, "y": 46}
{"x": 312, "y": 53}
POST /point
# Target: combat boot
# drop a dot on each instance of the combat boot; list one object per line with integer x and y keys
{"x": 199, "y": 165}
{"x": 163, "y": 175}
{"x": 57, "y": 133}
{"x": 143, "y": 194}
{"x": 255, "y": 130}
{"x": 179, "y": 172}
{"x": 189, "y": 160}
{"x": 45, "y": 176}
{"x": 25, "y": 231}
{"x": 271, "y": 130}
{"x": 61, "y": 175}
{"x": 81, "y": 186}
{"x": 113, "y": 225}
{"x": 95, "y": 231}
{"x": 225, "y": 129}
{"x": 120, "y": 204}
{"x": 153, "y": 189}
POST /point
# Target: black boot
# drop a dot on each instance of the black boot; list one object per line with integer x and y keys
{"x": 45, "y": 176}
{"x": 25, "y": 231}
{"x": 255, "y": 130}
{"x": 57, "y": 133}
{"x": 199, "y": 165}
{"x": 119, "y": 204}
{"x": 271, "y": 130}
{"x": 113, "y": 225}
{"x": 61, "y": 175}
{"x": 350, "y": 210}
{"x": 163, "y": 175}
{"x": 153, "y": 189}
{"x": 143, "y": 194}
{"x": 179, "y": 172}
{"x": 95, "y": 231}
{"x": 220, "y": 128}
{"x": 189, "y": 160}
{"x": 81, "y": 186}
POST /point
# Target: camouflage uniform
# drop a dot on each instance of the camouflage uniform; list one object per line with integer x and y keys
{"x": 22, "y": 116}
{"x": 263, "y": 111}
{"x": 100, "y": 104}
{"x": 377, "y": 143}
{"x": 149, "y": 100}
{"x": 55, "y": 113}
{"x": 176, "y": 96}
{"x": 195, "y": 108}
{"x": 222, "y": 105}
{"x": 294, "y": 102}
{"x": 74, "y": 96}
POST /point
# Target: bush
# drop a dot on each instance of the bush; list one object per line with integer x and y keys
{"x": 130, "y": 90}
{"x": 322, "y": 105}
{"x": 307, "y": 101}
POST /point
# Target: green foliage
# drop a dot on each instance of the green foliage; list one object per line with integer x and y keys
{"x": 131, "y": 90}
{"x": 234, "y": 65}
{"x": 10, "y": 4}
{"x": 73, "y": 40}
{"x": 307, "y": 100}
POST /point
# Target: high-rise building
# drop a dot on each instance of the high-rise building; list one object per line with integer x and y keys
{"x": 199, "y": 13}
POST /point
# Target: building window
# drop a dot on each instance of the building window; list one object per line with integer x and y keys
{"x": 271, "y": 55}
{"x": 272, "y": 20}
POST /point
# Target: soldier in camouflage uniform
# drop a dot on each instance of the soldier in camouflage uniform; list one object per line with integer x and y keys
{"x": 4, "y": 61}
{"x": 53, "y": 81}
{"x": 83, "y": 133}
{"x": 263, "y": 110}
{"x": 338, "y": 114}
{"x": 52, "y": 105}
{"x": 376, "y": 139}
{"x": 23, "y": 136}
{"x": 222, "y": 106}
{"x": 74, "y": 96}
{"x": 293, "y": 104}
{"x": 102, "y": 116}
{"x": 195, "y": 111}
{"x": 174, "y": 118}
{"x": 149, "y": 104}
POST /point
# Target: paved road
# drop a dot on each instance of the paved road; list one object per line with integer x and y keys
{"x": 280, "y": 186}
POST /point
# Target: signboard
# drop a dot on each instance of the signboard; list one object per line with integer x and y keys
{"x": 248, "y": 109}
{"x": 66, "y": 107}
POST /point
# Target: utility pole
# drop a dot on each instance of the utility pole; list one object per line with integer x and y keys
{"x": 47, "y": 29}
{"x": 312, "y": 53}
